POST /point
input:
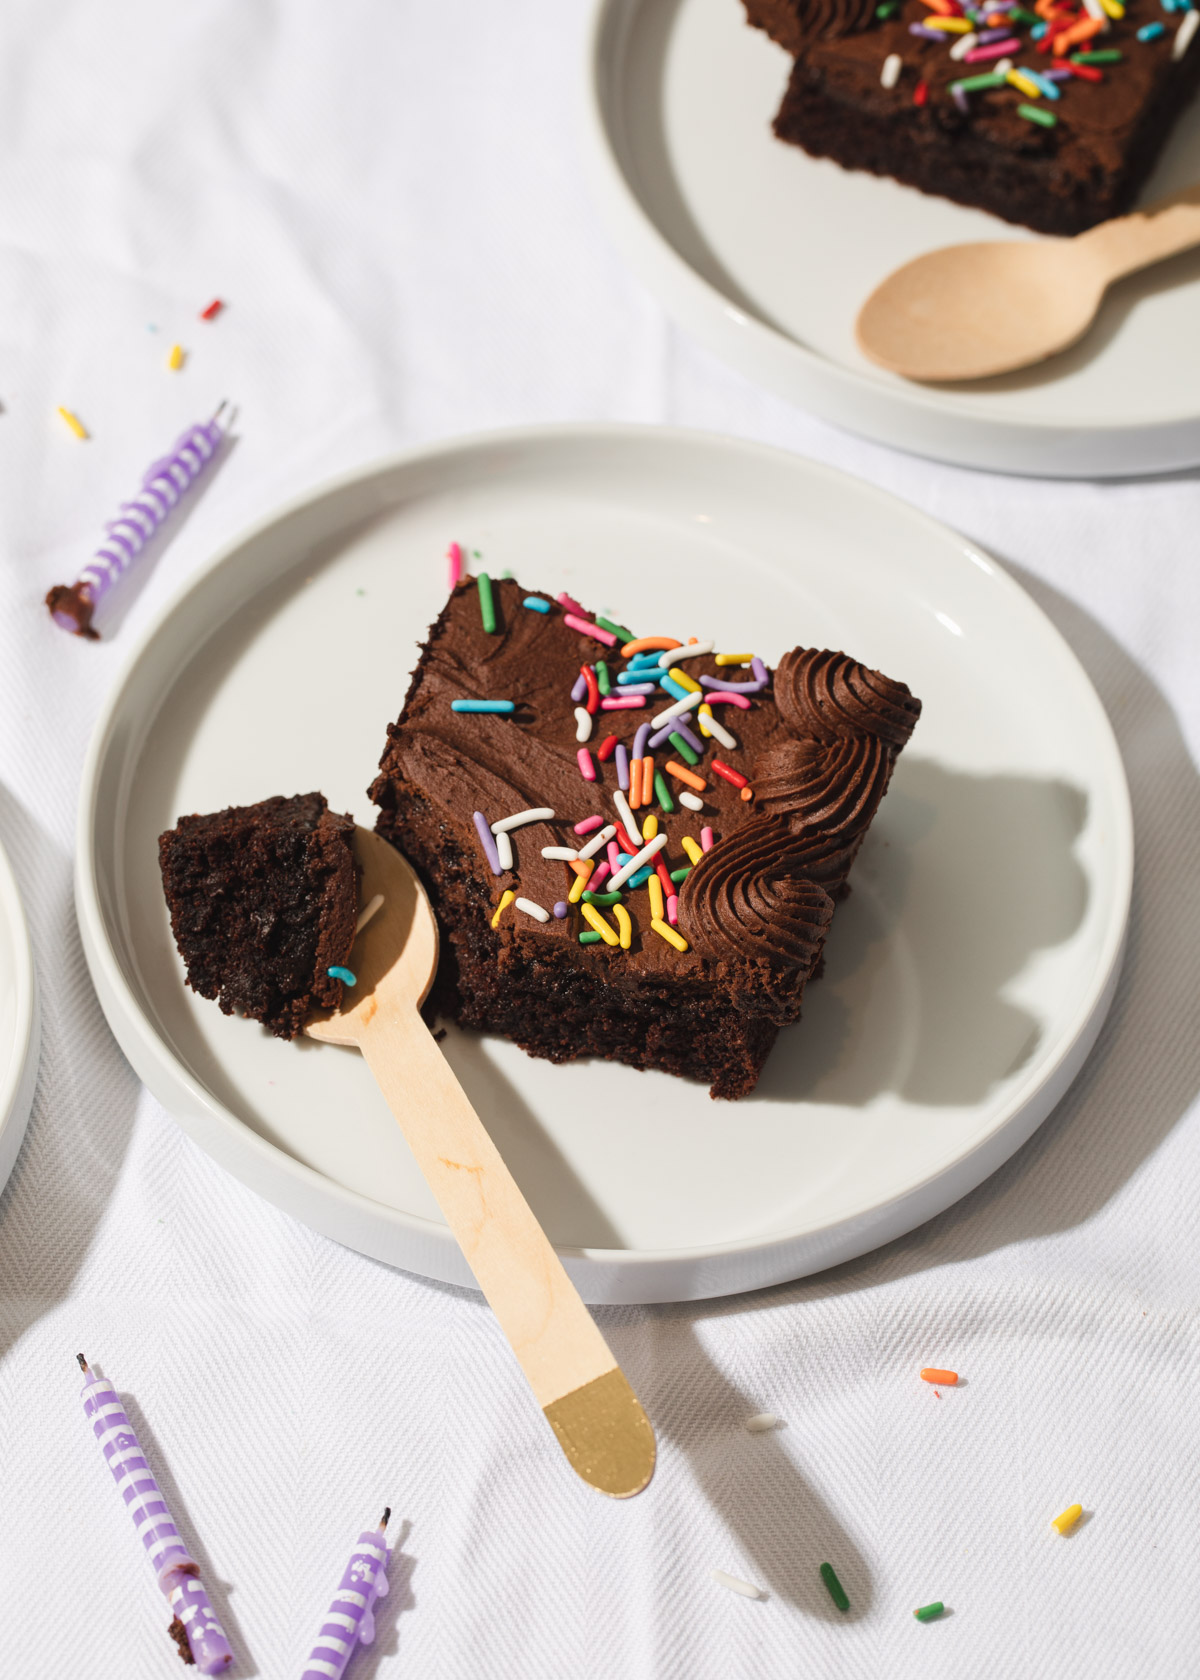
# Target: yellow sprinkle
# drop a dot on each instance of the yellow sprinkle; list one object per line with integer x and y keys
{"x": 650, "y": 828}
{"x": 580, "y": 882}
{"x": 506, "y": 898}
{"x": 690, "y": 847}
{"x": 953, "y": 25}
{"x": 594, "y": 919}
{"x": 74, "y": 422}
{"x": 654, "y": 888}
{"x": 1027, "y": 85}
{"x": 1066, "y": 1520}
{"x": 684, "y": 681}
{"x": 175, "y": 359}
{"x": 701, "y": 713}
{"x": 664, "y": 930}
{"x": 1114, "y": 8}
{"x": 625, "y": 924}
{"x": 733, "y": 658}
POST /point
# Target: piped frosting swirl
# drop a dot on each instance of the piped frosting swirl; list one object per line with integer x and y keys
{"x": 829, "y": 696}
{"x": 834, "y": 787}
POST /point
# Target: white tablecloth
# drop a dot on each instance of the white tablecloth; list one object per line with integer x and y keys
{"x": 389, "y": 195}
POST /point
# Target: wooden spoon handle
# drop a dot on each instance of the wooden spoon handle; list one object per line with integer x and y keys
{"x": 568, "y": 1364}
{"x": 1132, "y": 242}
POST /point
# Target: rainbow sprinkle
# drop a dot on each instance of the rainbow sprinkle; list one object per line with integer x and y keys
{"x": 337, "y": 972}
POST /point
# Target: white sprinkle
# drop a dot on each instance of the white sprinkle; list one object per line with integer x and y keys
{"x": 532, "y": 909}
{"x": 734, "y": 1585}
{"x": 583, "y": 724}
{"x": 761, "y": 1421}
{"x": 600, "y": 838}
{"x": 1004, "y": 68}
{"x": 1094, "y": 9}
{"x": 710, "y": 726}
{"x": 693, "y": 650}
{"x": 559, "y": 854}
{"x": 691, "y": 800}
{"x": 504, "y": 849}
{"x": 1183, "y": 35}
{"x": 368, "y": 912}
{"x": 890, "y": 74}
{"x": 678, "y": 709}
{"x": 964, "y": 45}
{"x": 628, "y": 821}
{"x": 635, "y": 863}
{"x": 535, "y": 813}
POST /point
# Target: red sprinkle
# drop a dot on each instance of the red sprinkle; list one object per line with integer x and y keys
{"x": 625, "y": 843}
{"x": 593, "y": 687}
{"x": 605, "y": 750}
{"x": 1089, "y": 72}
{"x": 664, "y": 875}
{"x": 214, "y": 308}
{"x": 921, "y": 93}
{"x": 733, "y": 777}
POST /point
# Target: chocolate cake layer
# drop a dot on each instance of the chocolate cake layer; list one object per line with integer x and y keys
{"x": 818, "y": 747}
{"x": 1088, "y": 166}
{"x": 263, "y": 902}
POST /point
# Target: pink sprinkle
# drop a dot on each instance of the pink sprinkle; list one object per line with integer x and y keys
{"x": 730, "y": 699}
{"x": 673, "y": 909}
{"x": 455, "y": 562}
{"x": 589, "y": 825}
{"x": 626, "y": 703}
{"x": 706, "y": 838}
{"x": 614, "y": 856}
{"x": 571, "y": 604}
{"x": 597, "y": 875}
{"x": 593, "y": 630}
{"x": 994, "y": 49}
{"x": 586, "y": 768}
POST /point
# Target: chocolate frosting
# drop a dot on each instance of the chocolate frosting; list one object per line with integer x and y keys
{"x": 829, "y": 696}
{"x": 835, "y": 788}
{"x": 829, "y": 20}
{"x": 753, "y": 896}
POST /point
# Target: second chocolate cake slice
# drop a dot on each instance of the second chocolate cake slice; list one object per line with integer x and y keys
{"x": 701, "y": 955}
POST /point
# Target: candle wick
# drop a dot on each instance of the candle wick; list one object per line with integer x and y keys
{"x": 83, "y": 1364}
{"x": 387, "y": 1511}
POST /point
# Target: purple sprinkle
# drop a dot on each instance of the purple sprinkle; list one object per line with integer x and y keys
{"x": 693, "y": 740}
{"x": 561, "y": 908}
{"x": 487, "y": 842}
{"x": 926, "y": 34}
{"x": 622, "y": 757}
{"x": 580, "y": 689}
{"x": 719, "y": 685}
{"x": 664, "y": 734}
{"x": 986, "y": 35}
{"x": 1055, "y": 75}
{"x": 635, "y": 688}
{"x": 640, "y": 739}
{"x": 960, "y": 99}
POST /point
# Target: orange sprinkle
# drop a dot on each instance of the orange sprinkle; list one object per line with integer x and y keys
{"x": 645, "y": 643}
{"x": 682, "y": 775}
{"x": 635, "y": 783}
{"x": 1082, "y": 31}
{"x": 944, "y": 8}
{"x": 647, "y": 780}
{"x": 581, "y": 866}
{"x": 747, "y": 793}
{"x": 931, "y": 1375}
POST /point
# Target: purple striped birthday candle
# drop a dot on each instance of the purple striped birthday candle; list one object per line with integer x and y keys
{"x": 72, "y": 605}
{"x": 177, "y": 1572}
{"x": 350, "y": 1619}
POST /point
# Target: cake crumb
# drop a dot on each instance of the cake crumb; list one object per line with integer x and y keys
{"x": 179, "y": 1634}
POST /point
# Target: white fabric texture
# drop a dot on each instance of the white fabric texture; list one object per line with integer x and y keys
{"x": 390, "y": 195}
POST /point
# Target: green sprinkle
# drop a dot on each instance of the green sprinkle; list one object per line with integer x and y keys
{"x": 1046, "y": 119}
{"x": 678, "y": 875}
{"x": 662, "y": 792}
{"x": 487, "y": 607}
{"x": 1106, "y": 55}
{"x": 974, "y": 84}
{"x": 837, "y": 1591}
{"x": 681, "y": 747}
{"x": 591, "y": 937}
{"x": 602, "y": 677}
{"x": 360, "y": 592}
{"x": 929, "y": 1612}
{"x": 1020, "y": 15}
{"x": 614, "y": 629}
{"x": 475, "y": 554}
{"x": 887, "y": 10}
{"x": 506, "y": 573}
{"x": 604, "y": 899}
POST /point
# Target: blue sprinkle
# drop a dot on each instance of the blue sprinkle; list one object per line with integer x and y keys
{"x": 672, "y": 687}
{"x": 536, "y": 602}
{"x": 641, "y": 660}
{"x": 624, "y": 678}
{"x": 1150, "y": 32}
{"x": 1046, "y": 85}
{"x": 482, "y": 706}
{"x": 1038, "y": 32}
{"x": 342, "y": 974}
{"x": 642, "y": 876}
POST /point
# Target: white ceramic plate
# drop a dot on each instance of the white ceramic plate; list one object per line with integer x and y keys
{"x": 967, "y": 974}
{"x": 766, "y": 255}
{"x": 19, "y": 1031}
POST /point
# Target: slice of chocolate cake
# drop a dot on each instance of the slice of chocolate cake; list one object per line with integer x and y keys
{"x": 762, "y": 793}
{"x": 263, "y": 902}
{"x": 1051, "y": 113}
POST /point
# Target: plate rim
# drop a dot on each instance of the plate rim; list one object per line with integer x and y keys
{"x": 16, "y": 1094}
{"x": 844, "y": 395}
{"x": 159, "y": 1067}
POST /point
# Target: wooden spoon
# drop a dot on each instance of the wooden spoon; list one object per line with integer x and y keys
{"x": 970, "y": 311}
{"x": 575, "y": 1379}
